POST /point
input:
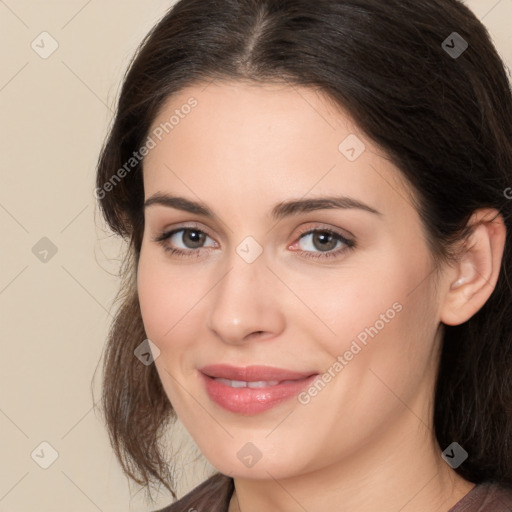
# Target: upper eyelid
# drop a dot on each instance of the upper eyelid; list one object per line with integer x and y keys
{"x": 337, "y": 231}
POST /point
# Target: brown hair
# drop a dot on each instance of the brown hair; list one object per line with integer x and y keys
{"x": 444, "y": 120}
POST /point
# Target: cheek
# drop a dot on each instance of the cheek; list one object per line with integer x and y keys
{"x": 170, "y": 300}
{"x": 153, "y": 299}
{"x": 167, "y": 306}
{"x": 381, "y": 316}
{"x": 161, "y": 295}
{"x": 354, "y": 299}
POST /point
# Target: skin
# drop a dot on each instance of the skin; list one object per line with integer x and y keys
{"x": 366, "y": 440}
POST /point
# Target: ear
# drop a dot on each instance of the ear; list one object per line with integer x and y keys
{"x": 472, "y": 280}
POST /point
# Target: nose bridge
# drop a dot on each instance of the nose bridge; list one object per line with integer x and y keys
{"x": 245, "y": 301}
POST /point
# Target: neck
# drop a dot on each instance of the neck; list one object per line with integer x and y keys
{"x": 402, "y": 470}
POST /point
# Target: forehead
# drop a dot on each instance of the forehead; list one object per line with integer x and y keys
{"x": 240, "y": 112}
{"x": 224, "y": 139}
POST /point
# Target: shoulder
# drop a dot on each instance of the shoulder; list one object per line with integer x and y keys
{"x": 486, "y": 497}
{"x": 213, "y": 494}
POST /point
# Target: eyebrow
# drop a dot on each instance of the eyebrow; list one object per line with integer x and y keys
{"x": 280, "y": 210}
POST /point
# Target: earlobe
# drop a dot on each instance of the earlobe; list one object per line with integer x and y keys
{"x": 474, "y": 277}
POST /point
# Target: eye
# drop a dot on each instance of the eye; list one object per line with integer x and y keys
{"x": 190, "y": 237}
{"x": 327, "y": 242}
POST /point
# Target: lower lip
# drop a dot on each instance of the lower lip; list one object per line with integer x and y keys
{"x": 253, "y": 401}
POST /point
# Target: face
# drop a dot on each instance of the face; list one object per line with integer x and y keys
{"x": 342, "y": 295}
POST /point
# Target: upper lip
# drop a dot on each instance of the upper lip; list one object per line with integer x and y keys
{"x": 253, "y": 373}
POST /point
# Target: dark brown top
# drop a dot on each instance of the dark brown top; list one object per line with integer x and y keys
{"x": 485, "y": 498}
{"x": 215, "y": 493}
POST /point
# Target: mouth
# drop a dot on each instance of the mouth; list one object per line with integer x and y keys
{"x": 253, "y": 389}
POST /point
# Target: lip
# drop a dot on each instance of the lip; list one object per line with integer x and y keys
{"x": 253, "y": 373}
{"x": 250, "y": 401}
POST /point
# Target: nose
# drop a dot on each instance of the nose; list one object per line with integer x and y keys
{"x": 245, "y": 304}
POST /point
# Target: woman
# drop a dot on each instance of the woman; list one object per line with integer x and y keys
{"x": 315, "y": 199}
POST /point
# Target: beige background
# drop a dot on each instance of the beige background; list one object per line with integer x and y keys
{"x": 55, "y": 314}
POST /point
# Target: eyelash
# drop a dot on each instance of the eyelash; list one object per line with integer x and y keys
{"x": 349, "y": 244}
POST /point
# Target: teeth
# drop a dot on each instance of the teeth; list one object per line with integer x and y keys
{"x": 244, "y": 384}
{"x": 262, "y": 384}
